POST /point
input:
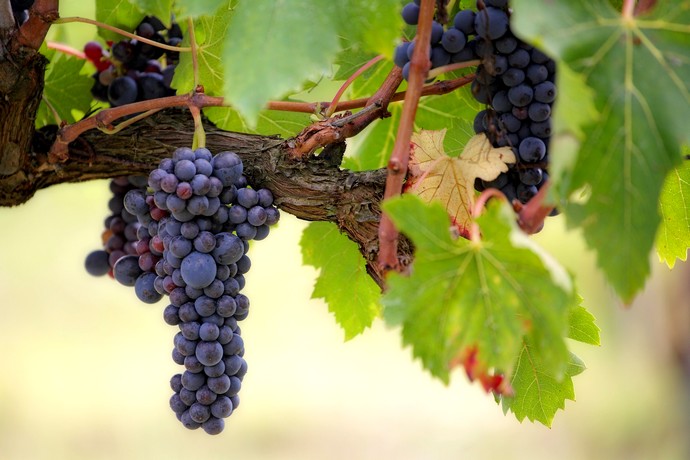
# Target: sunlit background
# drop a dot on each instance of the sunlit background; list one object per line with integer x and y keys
{"x": 86, "y": 366}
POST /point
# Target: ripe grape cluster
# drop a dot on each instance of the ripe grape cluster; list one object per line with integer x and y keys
{"x": 196, "y": 220}
{"x": 20, "y": 10}
{"x": 515, "y": 80}
{"x": 133, "y": 70}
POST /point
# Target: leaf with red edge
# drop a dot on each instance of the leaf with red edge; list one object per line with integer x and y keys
{"x": 435, "y": 176}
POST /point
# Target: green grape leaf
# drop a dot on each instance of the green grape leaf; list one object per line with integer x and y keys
{"x": 349, "y": 60}
{"x": 537, "y": 393}
{"x": 373, "y": 146}
{"x": 673, "y": 238}
{"x": 272, "y": 47}
{"x": 210, "y": 33}
{"x": 581, "y": 326}
{"x": 66, "y": 91}
{"x": 119, "y": 13}
{"x": 640, "y": 74}
{"x": 375, "y": 27}
{"x": 343, "y": 281}
{"x": 488, "y": 293}
{"x": 285, "y": 124}
{"x": 197, "y": 8}
{"x": 158, "y": 8}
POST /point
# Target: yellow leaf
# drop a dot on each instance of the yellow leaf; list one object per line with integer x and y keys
{"x": 433, "y": 175}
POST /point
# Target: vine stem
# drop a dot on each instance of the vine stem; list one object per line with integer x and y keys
{"x": 199, "y": 139}
{"x": 66, "y": 49}
{"x": 334, "y": 103}
{"x": 121, "y": 32}
{"x": 397, "y": 165}
{"x": 628, "y": 9}
{"x": 532, "y": 215}
{"x": 479, "y": 205}
{"x": 32, "y": 33}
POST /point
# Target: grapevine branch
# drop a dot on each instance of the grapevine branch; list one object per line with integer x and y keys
{"x": 397, "y": 165}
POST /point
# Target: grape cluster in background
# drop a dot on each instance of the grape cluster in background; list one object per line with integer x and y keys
{"x": 515, "y": 80}
{"x": 193, "y": 219}
{"x": 134, "y": 71}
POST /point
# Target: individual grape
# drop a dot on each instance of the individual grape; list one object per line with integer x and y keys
{"x": 247, "y": 197}
{"x": 513, "y": 77}
{"x": 246, "y": 231}
{"x": 436, "y": 32}
{"x": 453, "y": 40}
{"x": 506, "y": 44}
{"x": 198, "y": 269}
{"x": 538, "y": 111}
{"x": 410, "y": 14}
{"x": 126, "y": 270}
{"x": 144, "y": 288}
{"x": 536, "y": 74}
{"x": 227, "y": 166}
{"x": 464, "y": 21}
{"x": 96, "y": 263}
{"x": 205, "y": 242}
{"x": 185, "y": 170}
{"x": 213, "y": 425}
{"x": 541, "y": 129}
{"x": 532, "y": 149}
{"x": 520, "y": 95}
{"x": 209, "y": 353}
{"x": 526, "y": 192}
{"x": 491, "y": 23}
{"x": 439, "y": 57}
{"x": 545, "y": 92}
{"x": 520, "y": 58}
{"x": 532, "y": 176}
{"x": 151, "y": 86}
{"x": 123, "y": 90}
{"x": 222, "y": 407}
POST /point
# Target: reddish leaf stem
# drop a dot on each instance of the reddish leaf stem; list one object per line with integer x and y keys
{"x": 628, "y": 9}
{"x": 397, "y": 165}
{"x": 66, "y": 49}
{"x": 479, "y": 205}
{"x": 532, "y": 215}
{"x": 334, "y": 103}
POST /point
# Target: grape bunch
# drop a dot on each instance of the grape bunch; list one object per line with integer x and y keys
{"x": 200, "y": 214}
{"x": 121, "y": 228}
{"x": 132, "y": 70}
{"x": 20, "y": 10}
{"x": 447, "y": 46}
{"x": 516, "y": 82}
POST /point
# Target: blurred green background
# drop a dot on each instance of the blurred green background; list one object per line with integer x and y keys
{"x": 86, "y": 366}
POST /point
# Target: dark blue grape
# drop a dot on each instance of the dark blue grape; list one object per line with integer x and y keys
{"x": 526, "y": 192}
{"x": 506, "y": 44}
{"x": 192, "y": 364}
{"x": 226, "y": 306}
{"x": 215, "y": 289}
{"x": 183, "y": 153}
{"x": 227, "y": 166}
{"x": 520, "y": 95}
{"x": 209, "y": 332}
{"x": 96, "y": 263}
{"x": 545, "y": 92}
{"x": 491, "y": 23}
{"x": 439, "y": 57}
{"x": 228, "y": 248}
{"x": 532, "y": 149}
{"x": 213, "y": 426}
{"x": 185, "y": 170}
{"x": 192, "y": 381}
{"x": 198, "y": 269}
{"x": 532, "y": 176}
{"x": 453, "y": 40}
{"x": 519, "y": 58}
{"x": 205, "y": 306}
{"x": 464, "y": 21}
{"x": 509, "y": 122}
{"x": 215, "y": 371}
{"x": 222, "y": 407}
{"x": 538, "y": 111}
{"x": 541, "y": 129}
{"x": 144, "y": 288}
{"x": 151, "y": 86}
{"x": 205, "y": 242}
{"x": 171, "y": 315}
{"x": 536, "y": 74}
{"x": 209, "y": 353}
{"x": 262, "y": 232}
{"x": 122, "y": 90}
{"x": 410, "y": 14}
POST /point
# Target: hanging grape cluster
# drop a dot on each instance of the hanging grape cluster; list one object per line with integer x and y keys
{"x": 132, "y": 70}
{"x": 515, "y": 80}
